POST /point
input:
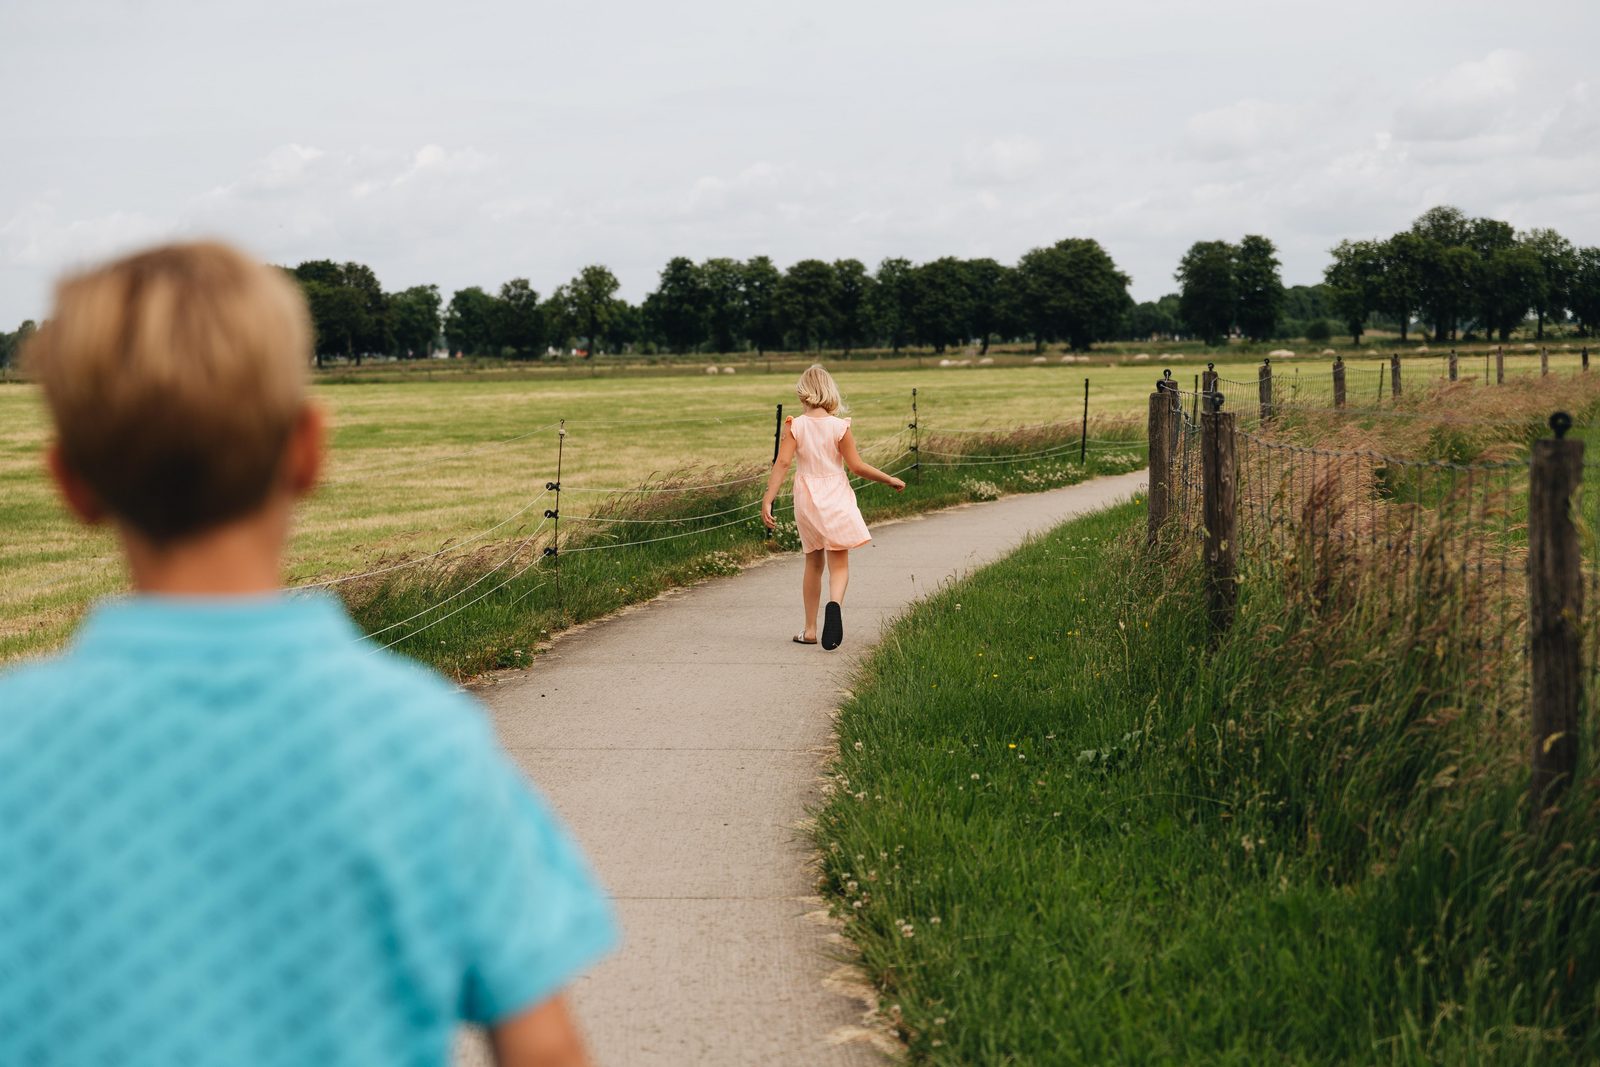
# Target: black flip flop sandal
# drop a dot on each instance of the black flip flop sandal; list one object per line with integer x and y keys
{"x": 832, "y": 626}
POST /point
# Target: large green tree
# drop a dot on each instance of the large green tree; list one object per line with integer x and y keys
{"x": 808, "y": 303}
{"x": 676, "y": 312}
{"x": 1257, "y": 286}
{"x": 941, "y": 312}
{"x": 1355, "y": 283}
{"x": 986, "y": 300}
{"x": 518, "y": 325}
{"x": 1206, "y": 294}
{"x": 1399, "y": 295}
{"x": 893, "y": 296}
{"x": 469, "y": 321}
{"x": 414, "y": 320}
{"x": 1510, "y": 281}
{"x": 1583, "y": 290}
{"x": 1446, "y": 267}
{"x": 726, "y": 314}
{"x": 1071, "y": 291}
{"x": 760, "y": 282}
{"x": 1558, "y": 262}
{"x": 349, "y": 312}
{"x": 589, "y": 301}
{"x": 854, "y": 302}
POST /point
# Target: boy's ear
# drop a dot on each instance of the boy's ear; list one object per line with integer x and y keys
{"x": 303, "y": 456}
{"x": 80, "y": 499}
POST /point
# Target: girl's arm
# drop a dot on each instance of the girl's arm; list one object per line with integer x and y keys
{"x": 780, "y": 468}
{"x": 861, "y": 468}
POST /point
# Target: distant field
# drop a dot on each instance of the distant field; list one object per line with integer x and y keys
{"x": 417, "y": 463}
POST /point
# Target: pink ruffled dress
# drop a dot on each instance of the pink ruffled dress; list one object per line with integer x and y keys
{"x": 824, "y": 502}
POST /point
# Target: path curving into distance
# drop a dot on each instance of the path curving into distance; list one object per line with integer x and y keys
{"x": 684, "y": 742}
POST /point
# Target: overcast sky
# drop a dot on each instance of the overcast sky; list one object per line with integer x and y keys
{"x": 465, "y": 143}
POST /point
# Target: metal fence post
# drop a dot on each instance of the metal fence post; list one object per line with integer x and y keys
{"x": 1160, "y": 443}
{"x": 1219, "y": 474}
{"x": 916, "y": 438}
{"x": 1555, "y": 611}
{"x": 553, "y": 549}
{"x": 1264, "y": 388}
{"x": 1083, "y": 432}
{"x": 1338, "y": 381}
{"x": 1394, "y": 376}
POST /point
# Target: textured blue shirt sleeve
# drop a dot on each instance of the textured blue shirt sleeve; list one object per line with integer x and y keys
{"x": 535, "y": 917}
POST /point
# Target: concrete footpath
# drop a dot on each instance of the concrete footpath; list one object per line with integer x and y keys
{"x": 684, "y": 742}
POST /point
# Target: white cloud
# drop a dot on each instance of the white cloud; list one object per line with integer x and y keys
{"x": 1245, "y": 128}
{"x": 1467, "y": 101}
{"x": 999, "y": 161}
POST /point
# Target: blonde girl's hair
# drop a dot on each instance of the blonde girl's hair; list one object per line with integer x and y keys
{"x": 817, "y": 389}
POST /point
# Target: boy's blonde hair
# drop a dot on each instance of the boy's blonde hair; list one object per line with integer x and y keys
{"x": 817, "y": 389}
{"x": 175, "y": 377}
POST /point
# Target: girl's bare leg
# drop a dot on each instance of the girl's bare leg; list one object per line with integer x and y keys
{"x": 838, "y": 575}
{"x": 811, "y": 591}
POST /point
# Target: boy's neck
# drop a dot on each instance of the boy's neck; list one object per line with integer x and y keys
{"x": 243, "y": 558}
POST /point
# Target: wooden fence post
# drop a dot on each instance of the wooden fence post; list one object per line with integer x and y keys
{"x": 1499, "y": 366}
{"x": 1338, "y": 381}
{"x": 1555, "y": 612}
{"x": 1264, "y": 389}
{"x": 1219, "y": 473}
{"x": 1544, "y": 362}
{"x": 1453, "y": 371}
{"x": 1160, "y": 440}
{"x": 1394, "y": 376}
{"x": 1585, "y": 357}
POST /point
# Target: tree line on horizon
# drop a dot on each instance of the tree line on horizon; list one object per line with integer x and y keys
{"x": 1450, "y": 274}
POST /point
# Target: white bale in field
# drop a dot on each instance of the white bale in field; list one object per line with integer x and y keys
{"x": 947, "y": 363}
{"x": 963, "y": 362}
{"x": 1142, "y": 357}
{"x": 1040, "y": 359}
{"x": 1529, "y": 348}
{"x": 712, "y": 370}
{"x": 1329, "y": 352}
{"x": 1178, "y": 356}
{"x": 727, "y": 370}
{"x": 1280, "y": 353}
{"x": 985, "y": 361}
{"x": 1422, "y": 348}
{"x": 1069, "y": 359}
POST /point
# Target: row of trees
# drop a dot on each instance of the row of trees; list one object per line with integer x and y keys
{"x": 1069, "y": 292}
{"x": 1460, "y": 275}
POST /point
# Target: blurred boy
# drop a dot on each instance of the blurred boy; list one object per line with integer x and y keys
{"x": 231, "y": 832}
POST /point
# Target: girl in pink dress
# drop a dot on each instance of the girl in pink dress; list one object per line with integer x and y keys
{"x": 824, "y": 503}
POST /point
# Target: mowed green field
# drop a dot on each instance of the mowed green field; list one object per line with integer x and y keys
{"x": 417, "y": 465}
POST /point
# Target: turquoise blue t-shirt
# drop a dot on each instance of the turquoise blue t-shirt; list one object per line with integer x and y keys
{"x": 231, "y": 832}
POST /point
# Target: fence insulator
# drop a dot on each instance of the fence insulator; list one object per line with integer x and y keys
{"x": 1555, "y": 612}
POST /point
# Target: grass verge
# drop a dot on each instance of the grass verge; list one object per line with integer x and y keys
{"x": 1064, "y": 829}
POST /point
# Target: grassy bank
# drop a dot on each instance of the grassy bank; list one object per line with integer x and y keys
{"x": 1064, "y": 831}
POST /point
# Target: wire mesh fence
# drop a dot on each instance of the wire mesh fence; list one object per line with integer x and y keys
{"x": 1429, "y": 559}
